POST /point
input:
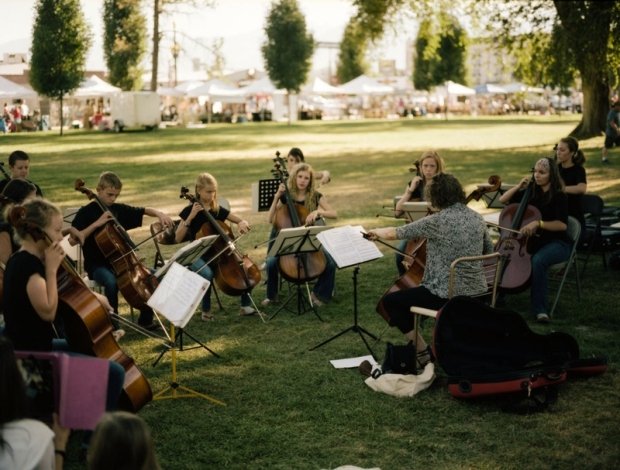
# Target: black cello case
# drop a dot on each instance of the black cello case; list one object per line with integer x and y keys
{"x": 488, "y": 351}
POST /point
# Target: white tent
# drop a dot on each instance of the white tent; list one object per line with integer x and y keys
{"x": 456, "y": 89}
{"x": 9, "y": 90}
{"x": 186, "y": 86}
{"x": 264, "y": 86}
{"x": 490, "y": 89}
{"x": 518, "y": 87}
{"x": 217, "y": 90}
{"x": 93, "y": 87}
{"x": 320, "y": 87}
{"x": 167, "y": 91}
{"x": 364, "y": 85}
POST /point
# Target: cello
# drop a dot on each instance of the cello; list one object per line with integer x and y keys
{"x": 416, "y": 251}
{"x": 135, "y": 281}
{"x": 302, "y": 267}
{"x": 513, "y": 245}
{"x": 235, "y": 273}
{"x": 87, "y": 325}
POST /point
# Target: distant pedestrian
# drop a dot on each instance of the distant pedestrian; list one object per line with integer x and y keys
{"x": 612, "y": 132}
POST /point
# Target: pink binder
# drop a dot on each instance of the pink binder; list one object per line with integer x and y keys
{"x": 80, "y": 387}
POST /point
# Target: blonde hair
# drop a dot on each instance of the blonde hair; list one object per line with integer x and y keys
{"x": 204, "y": 181}
{"x": 310, "y": 201}
{"x": 435, "y": 156}
{"x": 107, "y": 179}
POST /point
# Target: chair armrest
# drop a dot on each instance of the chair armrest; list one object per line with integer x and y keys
{"x": 424, "y": 311}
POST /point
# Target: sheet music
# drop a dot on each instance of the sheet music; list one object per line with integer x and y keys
{"x": 347, "y": 245}
{"x": 178, "y": 294}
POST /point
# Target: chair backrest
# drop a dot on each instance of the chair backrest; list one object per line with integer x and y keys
{"x": 165, "y": 237}
{"x": 592, "y": 204}
{"x": 573, "y": 230}
{"x": 491, "y": 266}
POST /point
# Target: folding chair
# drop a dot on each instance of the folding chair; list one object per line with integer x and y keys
{"x": 492, "y": 268}
{"x": 573, "y": 231}
{"x": 598, "y": 237}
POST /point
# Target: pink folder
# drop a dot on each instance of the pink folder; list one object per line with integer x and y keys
{"x": 80, "y": 387}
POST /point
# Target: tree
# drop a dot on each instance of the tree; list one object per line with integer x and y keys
{"x": 440, "y": 53}
{"x": 124, "y": 42}
{"x": 351, "y": 59}
{"x": 288, "y": 50}
{"x": 60, "y": 42}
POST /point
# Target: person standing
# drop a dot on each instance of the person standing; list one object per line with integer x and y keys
{"x": 612, "y": 131}
{"x": 570, "y": 164}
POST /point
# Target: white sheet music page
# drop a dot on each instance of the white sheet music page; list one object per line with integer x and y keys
{"x": 347, "y": 245}
{"x": 178, "y": 294}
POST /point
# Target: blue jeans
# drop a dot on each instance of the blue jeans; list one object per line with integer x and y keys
{"x": 323, "y": 289}
{"x": 105, "y": 277}
{"x": 554, "y": 252}
{"x": 201, "y": 267}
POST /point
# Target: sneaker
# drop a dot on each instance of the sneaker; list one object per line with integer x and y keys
{"x": 118, "y": 334}
{"x": 542, "y": 318}
{"x": 266, "y": 302}
{"x": 207, "y": 316}
{"x": 246, "y": 311}
{"x": 315, "y": 300}
{"x": 605, "y": 161}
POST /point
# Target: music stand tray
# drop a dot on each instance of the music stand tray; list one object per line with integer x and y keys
{"x": 297, "y": 241}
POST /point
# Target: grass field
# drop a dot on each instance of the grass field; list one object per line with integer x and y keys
{"x": 286, "y": 407}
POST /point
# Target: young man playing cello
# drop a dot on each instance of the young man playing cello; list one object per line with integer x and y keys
{"x": 90, "y": 218}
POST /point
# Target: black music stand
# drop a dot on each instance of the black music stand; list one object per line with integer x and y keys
{"x": 491, "y": 199}
{"x": 297, "y": 241}
{"x": 349, "y": 248}
{"x": 263, "y": 193}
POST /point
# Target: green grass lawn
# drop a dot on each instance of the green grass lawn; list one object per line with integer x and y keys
{"x": 286, "y": 407}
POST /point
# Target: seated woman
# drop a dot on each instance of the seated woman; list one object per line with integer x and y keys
{"x": 302, "y": 192}
{"x": 570, "y": 161}
{"x": 444, "y": 245}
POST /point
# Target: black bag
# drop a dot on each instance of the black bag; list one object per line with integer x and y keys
{"x": 400, "y": 359}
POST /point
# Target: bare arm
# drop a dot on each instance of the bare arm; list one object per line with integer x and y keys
{"x": 406, "y": 197}
{"x": 580, "y": 188}
{"x": 324, "y": 210}
{"x": 5, "y": 248}
{"x": 43, "y": 292}
{"x": 507, "y": 196}
{"x": 243, "y": 225}
{"x": 165, "y": 220}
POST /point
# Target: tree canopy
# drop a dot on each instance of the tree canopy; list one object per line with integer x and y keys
{"x": 124, "y": 42}
{"x": 60, "y": 41}
{"x": 288, "y": 49}
{"x": 351, "y": 58}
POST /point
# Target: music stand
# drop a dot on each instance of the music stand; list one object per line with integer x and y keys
{"x": 263, "y": 193}
{"x": 176, "y": 298}
{"x": 348, "y": 248}
{"x": 415, "y": 210}
{"x": 297, "y": 241}
{"x": 491, "y": 199}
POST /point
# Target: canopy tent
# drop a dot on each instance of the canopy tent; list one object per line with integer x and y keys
{"x": 364, "y": 85}
{"x": 264, "y": 86}
{"x": 93, "y": 87}
{"x": 456, "y": 89}
{"x": 518, "y": 87}
{"x": 320, "y": 87}
{"x": 186, "y": 86}
{"x": 217, "y": 90}
{"x": 10, "y": 90}
{"x": 167, "y": 91}
{"x": 490, "y": 89}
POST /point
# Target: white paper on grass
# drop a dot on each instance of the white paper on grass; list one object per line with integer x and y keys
{"x": 178, "y": 294}
{"x": 351, "y": 362}
{"x": 347, "y": 246}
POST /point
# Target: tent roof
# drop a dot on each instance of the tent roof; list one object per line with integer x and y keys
{"x": 9, "y": 89}
{"x": 167, "y": 91}
{"x": 457, "y": 89}
{"x": 217, "y": 90}
{"x": 320, "y": 87}
{"x": 364, "y": 85}
{"x": 93, "y": 87}
{"x": 490, "y": 89}
{"x": 263, "y": 86}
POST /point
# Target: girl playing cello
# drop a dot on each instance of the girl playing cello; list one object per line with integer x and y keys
{"x": 552, "y": 244}
{"x": 302, "y": 191}
{"x": 193, "y": 219}
{"x": 429, "y": 165}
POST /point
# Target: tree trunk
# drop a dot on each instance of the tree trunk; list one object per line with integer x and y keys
{"x": 594, "y": 108}
{"x": 62, "y": 119}
{"x": 155, "y": 57}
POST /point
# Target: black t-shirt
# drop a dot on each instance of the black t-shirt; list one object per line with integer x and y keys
{"x": 195, "y": 226}
{"x": 24, "y": 326}
{"x": 555, "y": 208}
{"x": 128, "y": 216}
{"x": 573, "y": 176}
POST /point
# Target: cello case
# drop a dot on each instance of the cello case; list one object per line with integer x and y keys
{"x": 487, "y": 351}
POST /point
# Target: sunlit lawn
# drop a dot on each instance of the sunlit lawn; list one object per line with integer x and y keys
{"x": 287, "y": 407}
